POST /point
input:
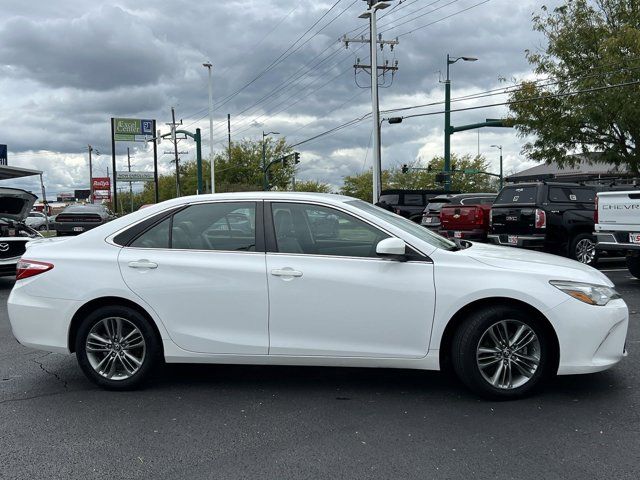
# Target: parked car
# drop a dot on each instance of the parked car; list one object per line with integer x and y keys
{"x": 407, "y": 203}
{"x": 467, "y": 217}
{"x": 281, "y": 295}
{"x": 552, "y": 217}
{"x": 15, "y": 205}
{"x": 76, "y": 219}
{"x": 617, "y": 226}
{"x": 431, "y": 213}
{"x": 36, "y": 220}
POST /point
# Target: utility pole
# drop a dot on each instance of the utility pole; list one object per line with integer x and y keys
{"x": 173, "y": 126}
{"x": 229, "y": 133}
{"x": 499, "y": 147}
{"x": 130, "y": 182}
{"x": 90, "y": 175}
{"x": 374, "y": 40}
{"x": 213, "y": 183}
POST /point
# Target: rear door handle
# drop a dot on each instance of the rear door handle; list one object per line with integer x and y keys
{"x": 285, "y": 272}
{"x": 142, "y": 264}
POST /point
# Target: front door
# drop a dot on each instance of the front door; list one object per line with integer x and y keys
{"x": 330, "y": 295}
{"x": 201, "y": 272}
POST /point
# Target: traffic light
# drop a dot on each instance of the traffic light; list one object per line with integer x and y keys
{"x": 405, "y": 168}
{"x": 296, "y": 159}
{"x": 296, "y": 156}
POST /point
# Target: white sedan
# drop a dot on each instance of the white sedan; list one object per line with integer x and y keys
{"x": 284, "y": 278}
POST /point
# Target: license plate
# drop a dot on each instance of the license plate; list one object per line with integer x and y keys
{"x": 78, "y": 229}
{"x": 457, "y": 234}
{"x": 634, "y": 237}
{"x": 512, "y": 240}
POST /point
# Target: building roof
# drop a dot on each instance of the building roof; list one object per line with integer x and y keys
{"x": 584, "y": 169}
{"x": 8, "y": 173}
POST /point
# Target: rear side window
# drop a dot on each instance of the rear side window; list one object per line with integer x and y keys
{"x": 392, "y": 199}
{"x": 413, "y": 199}
{"x": 572, "y": 194}
{"x": 155, "y": 237}
{"x": 436, "y": 205}
{"x": 517, "y": 195}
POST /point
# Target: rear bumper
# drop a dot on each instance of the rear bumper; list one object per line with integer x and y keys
{"x": 615, "y": 242}
{"x": 473, "y": 235}
{"x": 64, "y": 227}
{"x": 522, "y": 241}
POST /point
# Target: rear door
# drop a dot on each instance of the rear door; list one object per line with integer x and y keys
{"x": 513, "y": 212}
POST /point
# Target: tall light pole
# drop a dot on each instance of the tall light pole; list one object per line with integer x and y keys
{"x": 447, "y": 120}
{"x": 265, "y": 182}
{"x": 499, "y": 147}
{"x": 213, "y": 175}
{"x": 90, "y": 175}
{"x": 374, "y": 6}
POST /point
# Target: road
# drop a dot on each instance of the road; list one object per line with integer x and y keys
{"x": 226, "y": 422}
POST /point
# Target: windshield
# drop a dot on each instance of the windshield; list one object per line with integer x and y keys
{"x": 402, "y": 223}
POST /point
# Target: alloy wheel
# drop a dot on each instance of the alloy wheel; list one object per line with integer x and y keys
{"x": 508, "y": 354}
{"x": 115, "y": 348}
{"x": 585, "y": 251}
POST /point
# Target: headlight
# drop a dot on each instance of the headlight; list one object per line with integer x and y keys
{"x": 586, "y": 292}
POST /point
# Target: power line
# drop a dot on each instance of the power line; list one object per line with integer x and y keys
{"x": 443, "y": 18}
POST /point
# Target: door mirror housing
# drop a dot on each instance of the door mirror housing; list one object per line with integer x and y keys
{"x": 392, "y": 248}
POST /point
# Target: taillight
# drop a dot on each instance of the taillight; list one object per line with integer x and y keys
{"x": 479, "y": 216}
{"x": 595, "y": 214}
{"x": 491, "y": 217}
{"x": 29, "y": 268}
{"x": 541, "y": 218}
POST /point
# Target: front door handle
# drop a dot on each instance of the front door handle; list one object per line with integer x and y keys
{"x": 286, "y": 272}
{"x": 142, "y": 264}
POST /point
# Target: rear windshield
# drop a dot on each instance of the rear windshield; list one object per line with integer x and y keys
{"x": 517, "y": 195}
{"x": 572, "y": 194}
{"x": 436, "y": 205}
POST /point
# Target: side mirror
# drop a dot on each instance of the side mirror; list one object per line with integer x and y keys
{"x": 392, "y": 247}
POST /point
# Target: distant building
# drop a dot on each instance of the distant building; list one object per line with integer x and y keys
{"x": 586, "y": 169}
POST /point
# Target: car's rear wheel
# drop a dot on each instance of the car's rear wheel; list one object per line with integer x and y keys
{"x": 501, "y": 353}
{"x": 583, "y": 249}
{"x": 42, "y": 228}
{"x": 633, "y": 264}
{"x": 117, "y": 348}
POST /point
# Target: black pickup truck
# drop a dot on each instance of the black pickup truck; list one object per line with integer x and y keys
{"x": 553, "y": 217}
{"x": 408, "y": 203}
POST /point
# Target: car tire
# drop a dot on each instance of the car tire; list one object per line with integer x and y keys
{"x": 117, "y": 348}
{"x": 583, "y": 249}
{"x": 42, "y": 228}
{"x": 502, "y": 372}
{"x": 633, "y": 264}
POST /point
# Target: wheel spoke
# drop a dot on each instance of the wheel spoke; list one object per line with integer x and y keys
{"x": 118, "y": 328}
{"x": 516, "y": 336}
{"x": 527, "y": 372}
{"x": 126, "y": 363}
{"x": 497, "y": 374}
{"x": 494, "y": 338}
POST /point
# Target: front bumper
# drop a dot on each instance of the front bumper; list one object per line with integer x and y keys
{"x": 536, "y": 242}
{"x": 591, "y": 338}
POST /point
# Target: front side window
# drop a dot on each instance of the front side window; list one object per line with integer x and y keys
{"x": 317, "y": 230}
{"x": 209, "y": 226}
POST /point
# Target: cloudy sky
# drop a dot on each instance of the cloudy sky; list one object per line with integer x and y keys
{"x": 67, "y": 66}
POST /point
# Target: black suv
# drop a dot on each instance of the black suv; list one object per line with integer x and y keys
{"x": 553, "y": 217}
{"x": 408, "y": 203}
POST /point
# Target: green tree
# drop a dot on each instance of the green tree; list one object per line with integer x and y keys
{"x": 590, "y": 44}
{"x": 359, "y": 186}
{"x": 312, "y": 186}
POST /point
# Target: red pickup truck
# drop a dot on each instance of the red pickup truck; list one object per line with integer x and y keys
{"x": 468, "y": 219}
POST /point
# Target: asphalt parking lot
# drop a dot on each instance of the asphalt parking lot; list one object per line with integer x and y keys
{"x": 197, "y": 422}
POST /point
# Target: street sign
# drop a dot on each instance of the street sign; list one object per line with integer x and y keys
{"x": 3, "y": 155}
{"x": 132, "y": 130}
{"x": 134, "y": 176}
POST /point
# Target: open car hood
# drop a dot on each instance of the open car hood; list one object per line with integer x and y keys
{"x": 15, "y": 204}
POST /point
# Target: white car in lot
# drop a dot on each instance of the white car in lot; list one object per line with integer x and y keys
{"x": 185, "y": 281}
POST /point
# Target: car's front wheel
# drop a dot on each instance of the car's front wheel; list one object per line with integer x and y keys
{"x": 117, "y": 348}
{"x": 633, "y": 264}
{"x": 501, "y": 353}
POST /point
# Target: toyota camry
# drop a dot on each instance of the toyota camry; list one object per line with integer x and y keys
{"x": 259, "y": 278}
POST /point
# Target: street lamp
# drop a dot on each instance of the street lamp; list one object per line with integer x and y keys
{"x": 265, "y": 181}
{"x": 499, "y": 147}
{"x": 208, "y": 66}
{"x": 447, "y": 119}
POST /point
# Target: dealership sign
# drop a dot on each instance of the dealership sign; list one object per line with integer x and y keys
{"x": 101, "y": 187}
{"x": 132, "y": 130}
{"x": 134, "y": 176}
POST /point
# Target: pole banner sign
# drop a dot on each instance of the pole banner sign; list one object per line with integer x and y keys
{"x": 101, "y": 187}
{"x": 134, "y": 176}
{"x": 132, "y": 130}
{"x": 3, "y": 155}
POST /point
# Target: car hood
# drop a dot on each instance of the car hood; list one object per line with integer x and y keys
{"x": 15, "y": 204}
{"x": 534, "y": 262}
